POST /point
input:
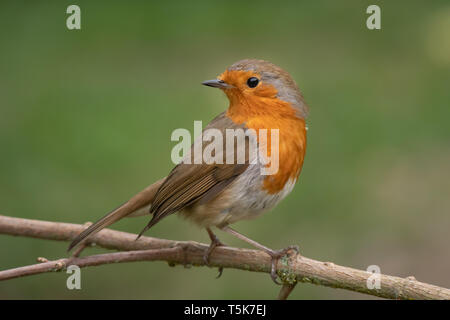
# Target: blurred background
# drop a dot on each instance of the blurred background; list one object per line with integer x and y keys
{"x": 86, "y": 117}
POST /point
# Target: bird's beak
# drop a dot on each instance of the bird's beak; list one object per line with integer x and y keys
{"x": 216, "y": 83}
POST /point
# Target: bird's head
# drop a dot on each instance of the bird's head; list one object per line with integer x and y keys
{"x": 258, "y": 86}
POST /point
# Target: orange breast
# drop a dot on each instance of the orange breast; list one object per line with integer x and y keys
{"x": 268, "y": 113}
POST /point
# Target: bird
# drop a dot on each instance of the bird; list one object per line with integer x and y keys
{"x": 216, "y": 194}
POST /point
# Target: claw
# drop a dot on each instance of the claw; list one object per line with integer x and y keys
{"x": 276, "y": 255}
{"x": 273, "y": 271}
{"x": 215, "y": 242}
{"x": 220, "y": 272}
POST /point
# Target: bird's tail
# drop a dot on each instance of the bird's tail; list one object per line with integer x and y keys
{"x": 133, "y": 207}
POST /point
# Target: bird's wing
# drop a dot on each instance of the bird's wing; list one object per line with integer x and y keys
{"x": 189, "y": 183}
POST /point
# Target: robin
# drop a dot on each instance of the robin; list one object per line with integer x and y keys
{"x": 261, "y": 96}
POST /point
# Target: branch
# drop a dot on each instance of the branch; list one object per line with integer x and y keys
{"x": 291, "y": 269}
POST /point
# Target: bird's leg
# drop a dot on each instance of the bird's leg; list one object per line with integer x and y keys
{"x": 274, "y": 254}
{"x": 215, "y": 242}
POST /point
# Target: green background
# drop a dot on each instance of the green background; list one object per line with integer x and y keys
{"x": 86, "y": 118}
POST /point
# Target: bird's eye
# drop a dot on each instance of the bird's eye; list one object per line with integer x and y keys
{"x": 252, "y": 82}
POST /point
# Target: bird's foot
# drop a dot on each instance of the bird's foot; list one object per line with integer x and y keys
{"x": 215, "y": 242}
{"x": 276, "y": 255}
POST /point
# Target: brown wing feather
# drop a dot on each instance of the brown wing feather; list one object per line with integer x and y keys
{"x": 191, "y": 183}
